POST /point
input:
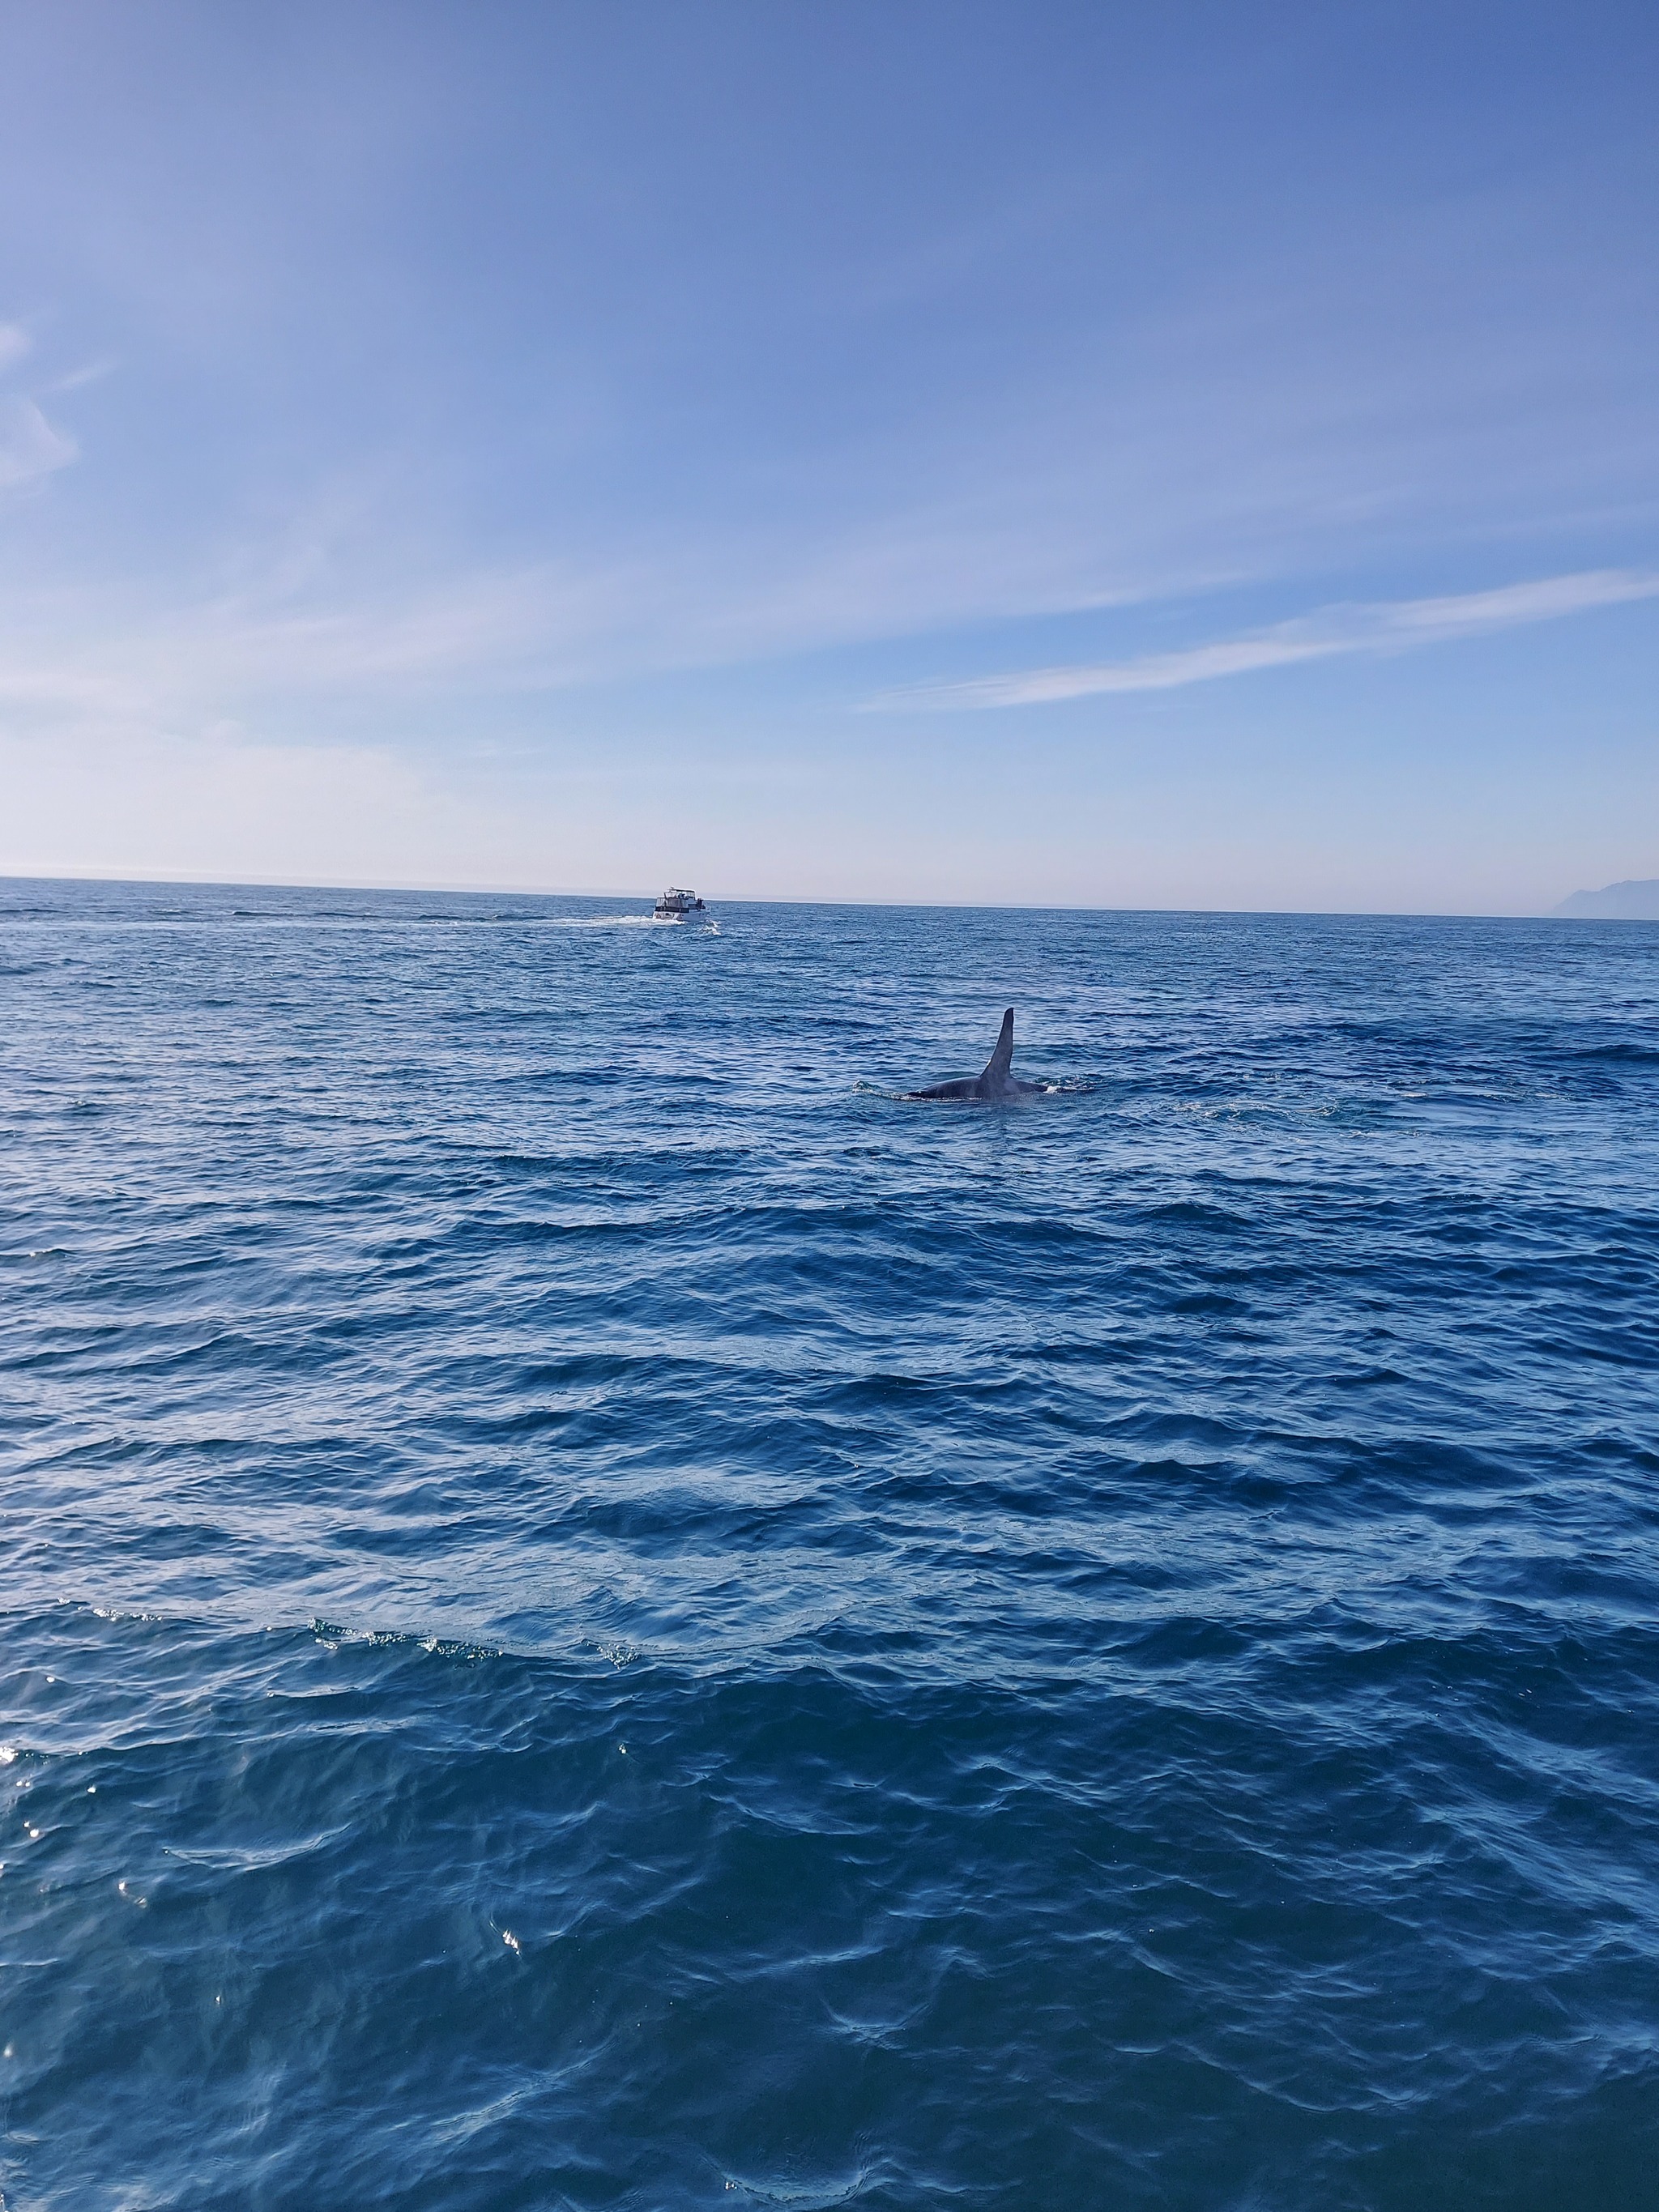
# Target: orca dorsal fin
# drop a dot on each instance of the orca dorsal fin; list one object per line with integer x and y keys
{"x": 996, "y": 1068}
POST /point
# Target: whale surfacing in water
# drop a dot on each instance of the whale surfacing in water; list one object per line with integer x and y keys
{"x": 994, "y": 1082}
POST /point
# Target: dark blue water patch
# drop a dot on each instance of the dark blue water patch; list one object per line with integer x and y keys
{"x": 1095, "y": 1654}
{"x": 1249, "y": 1920}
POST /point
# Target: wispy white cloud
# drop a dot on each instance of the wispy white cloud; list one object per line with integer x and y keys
{"x": 1395, "y": 626}
{"x": 115, "y": 661}
{"x": 75, "y": 379}
{"x": 29, "y": 446}
{"x": 296, "y": 627}
{"x": 309, "y": 617}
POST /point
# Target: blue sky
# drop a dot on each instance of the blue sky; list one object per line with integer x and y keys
{"x": 1202, "y": 456}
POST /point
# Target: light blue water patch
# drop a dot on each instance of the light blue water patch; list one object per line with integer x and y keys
{"x": 600, "y": 1611}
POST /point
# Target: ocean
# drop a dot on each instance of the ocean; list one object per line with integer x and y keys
{"x": 600, "y": 1611}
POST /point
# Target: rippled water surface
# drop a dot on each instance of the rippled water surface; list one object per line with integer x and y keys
{"x": 600, "y": 1611}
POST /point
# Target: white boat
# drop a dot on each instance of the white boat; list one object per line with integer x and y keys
{"x": 674, "y": 905}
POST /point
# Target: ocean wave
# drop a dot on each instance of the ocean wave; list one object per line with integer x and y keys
{"x": 597, "y": 1612}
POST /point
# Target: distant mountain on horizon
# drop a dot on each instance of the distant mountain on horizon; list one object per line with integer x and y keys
{"x": 1630, "y": 902}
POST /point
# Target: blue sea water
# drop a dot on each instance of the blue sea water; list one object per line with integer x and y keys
{"x": 599, "y": 1611}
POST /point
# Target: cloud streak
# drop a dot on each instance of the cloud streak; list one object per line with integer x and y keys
{"x": 1395, "y": 626}
{"x": 29, "y": 446}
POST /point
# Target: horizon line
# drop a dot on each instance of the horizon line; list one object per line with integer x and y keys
{"x": 204, "y": 882}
